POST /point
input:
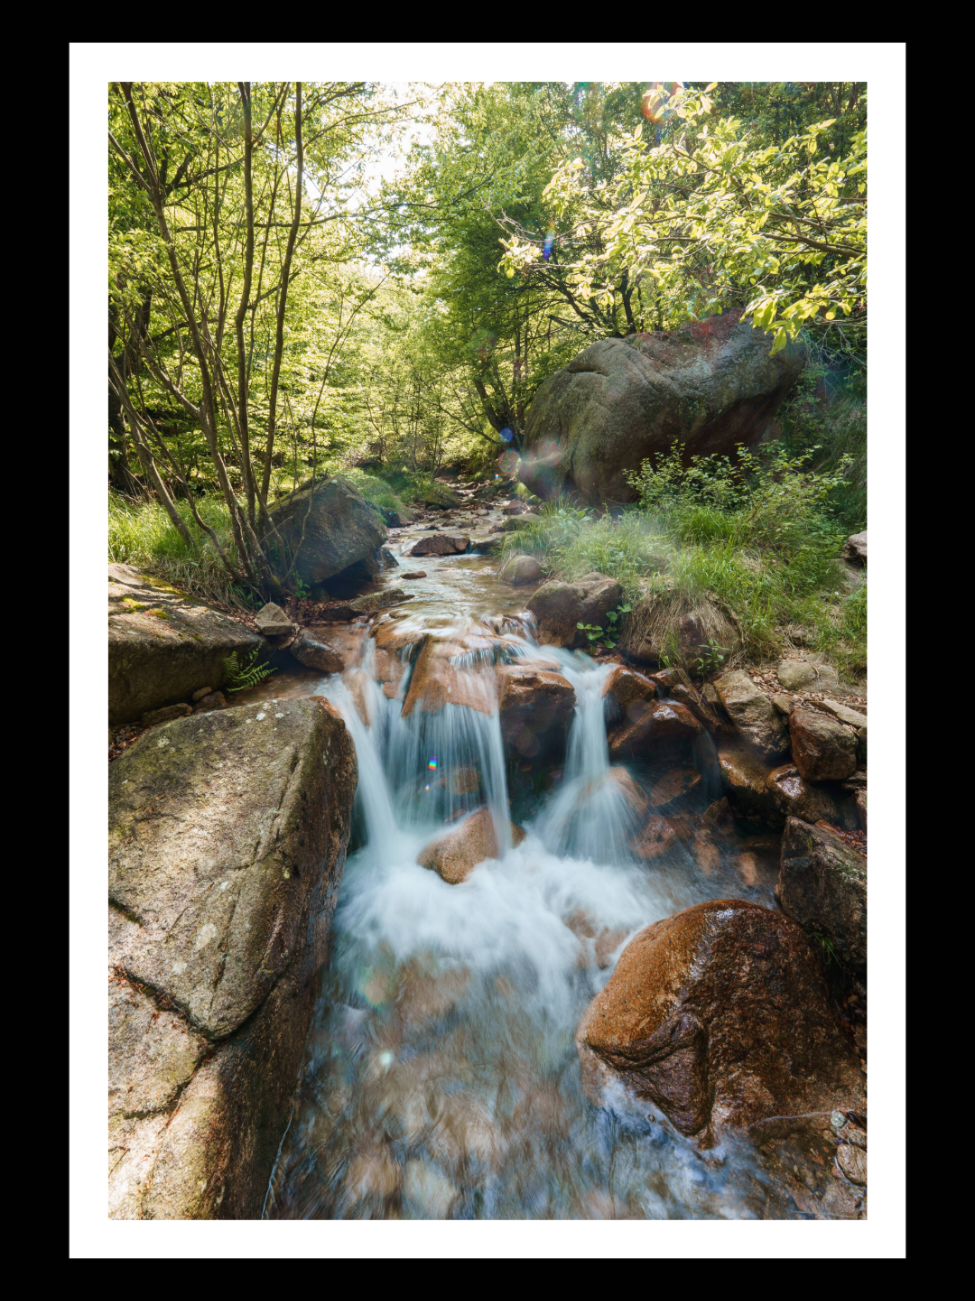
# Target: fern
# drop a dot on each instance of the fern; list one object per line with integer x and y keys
{"x": 240, "y": 676}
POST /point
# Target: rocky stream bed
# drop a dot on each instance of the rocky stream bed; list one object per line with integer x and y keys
{"x": 447, "y": 919}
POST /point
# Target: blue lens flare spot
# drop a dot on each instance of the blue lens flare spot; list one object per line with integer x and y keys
{"x": 507, "y": 435}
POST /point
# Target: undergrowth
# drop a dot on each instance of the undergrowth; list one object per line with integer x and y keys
{"x": 759, "y": 537}
{"x": 140, "y": 533}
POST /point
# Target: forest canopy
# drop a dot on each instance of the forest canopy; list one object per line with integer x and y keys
{"x": 276, "y": 315}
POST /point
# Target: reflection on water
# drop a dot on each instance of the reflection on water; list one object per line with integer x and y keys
{"x": 440, "y": 1076}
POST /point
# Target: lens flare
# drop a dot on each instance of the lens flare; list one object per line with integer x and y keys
{"x": 660, "y": 100}
{"x": 432, "y": 763}
{"x": 549, "y": 241}
{"x": 506, "y": 435}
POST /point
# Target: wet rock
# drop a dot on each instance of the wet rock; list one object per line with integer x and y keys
{"x": 415, "y": 573}
{"x": 752, "y": 713}
{"x": 855, "y": 548}
{"x": 519, "y": 570}
{"x": 701, "y": 707}
{"x": 673, "y": 787}
{"x": 651, "y": 726}
{"x": 441, "y": 544}
{"x": 745, "y": 777}
{"x": 215, "y": 700}
{"x": 536, "y": 708}
{"x": 491, "y": 545}
{"x": 455, "y": 855}
{"x": 654, "y": 839}
{"x": 604, "y": 939}
{"x": 227, "y": 840}
{"x": 803, "y": 675}
{"x": 326, "y": 531}
{"x": 514, "y": 508}
{"x": 621, "y": 401}
{"x": 165, "y": 715}
{"x": 823, "y": 749}
{"x": 315, "y": 653}
{"x": 560, "y": 607}
{"x": 435, "y": 682}
{"x": 823, "y": 886}
{"x": 720, "y": 1015}
{"x": 620, "y": 777}
{"x": 346, "y": 642}
{"x": 622, "y": 687}
{"x": 381, "y": 600}
{"x": 795, "y": 797}
{"x": 272, "y": 621}
{"x": 162, "y": 648}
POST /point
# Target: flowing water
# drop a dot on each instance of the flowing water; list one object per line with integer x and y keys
{"x": 440, "y": 1077}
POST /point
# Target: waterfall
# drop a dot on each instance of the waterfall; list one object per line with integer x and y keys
{"x": 420, "y": 772}
{"x": 591, "y": 816}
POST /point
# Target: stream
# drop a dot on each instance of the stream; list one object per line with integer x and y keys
{"x": 440, "y": 1077}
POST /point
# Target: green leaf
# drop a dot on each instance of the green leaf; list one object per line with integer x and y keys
{"x": 779, "y": 342}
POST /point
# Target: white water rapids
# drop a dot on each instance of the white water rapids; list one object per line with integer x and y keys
{"x": 441, "y": 1078}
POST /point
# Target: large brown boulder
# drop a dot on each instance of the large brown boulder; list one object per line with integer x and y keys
{"x": 653, "y": 727}
{"x": 560, "y": 607}
{"x": 163, "y": 645}
{"x": 823, "y": 886}
{"x": 753, "y": 714}
{"x": 823, "y": 748}
{"x": 435, "y": 682}
{"x": 709, "y": 386}
{"x": 454, "y": 855}
{"x": 327, "y": 530}
{"x": 720, "y": 1015}
{"x": 536, "y": 708}
{"x": 227, "y": 840}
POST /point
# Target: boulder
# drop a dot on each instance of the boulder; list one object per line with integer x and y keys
{"x": 519, "y": 570}
{"x": 518, "y": 522}
{"x": 536, "y": 708}
{"x": 381, "y": 600}
{"x": 803, "y": 675}
{"x": 455, "y": 855}
{"x": 415, "y": 573}
{"x": 745, "y": 777}
{"x": 440, "y": 544}
{"x": 795, "y": 797}
{"x": 654, "y": 839}
{"x": 491, "y": 545}
{"x": 435, "y": 682}
{"x": 652, "y": 726}
{"x": 720, "y": 1015}
{"x": 560, "y": 607}
{"x": 852, "y": 717}
{"x": 709, "y": 385}
{"x": 823, "y": 749}
{"x": 752, "y": 713}
{"x": 227, "y": 839}
{"x": 272, "y": 621}
{"x": 315, "y": 653}
{"x": 163, "y": 646}
{"x": 855, "y": 548}
{"x": 668, "y": 791}
{"x": 823, "y": 886}
{"x": 623, "y": 687}
{"x": 327, "y": 530}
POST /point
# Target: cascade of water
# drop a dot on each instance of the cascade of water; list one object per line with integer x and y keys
{"x": 591, "y": 816}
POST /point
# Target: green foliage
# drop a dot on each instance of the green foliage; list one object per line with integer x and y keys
{"x": 241, "y": 674}
{"x": 142, "y": 534}
{"x": 571, "y": 542}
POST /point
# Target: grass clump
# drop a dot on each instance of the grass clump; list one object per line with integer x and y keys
{"x": 140, "y": 533}
{"x": 721, "y": 559}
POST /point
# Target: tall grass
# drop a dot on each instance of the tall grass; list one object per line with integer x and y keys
{"x": 758, "y": 536}
{"x": 140, "y": 533}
